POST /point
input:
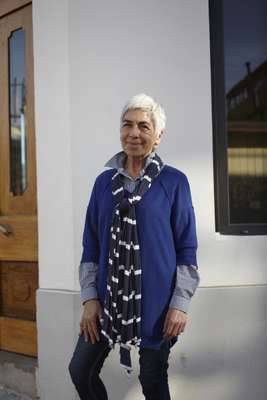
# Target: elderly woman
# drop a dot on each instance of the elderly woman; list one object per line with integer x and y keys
{"x": 138, "y": 270}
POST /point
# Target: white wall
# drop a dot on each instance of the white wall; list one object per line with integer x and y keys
{"x": 89, "y": 58}
{"x": 221, "y": 355}
{"x": 117, "y": 50}
{"x": 154, "y": 47}
{"x": 53, "y": 144}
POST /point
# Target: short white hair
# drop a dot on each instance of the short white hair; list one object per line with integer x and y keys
{"x": 148, "y": 104}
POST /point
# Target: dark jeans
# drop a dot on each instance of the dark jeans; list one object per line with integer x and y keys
{"x": 88, "y": 359}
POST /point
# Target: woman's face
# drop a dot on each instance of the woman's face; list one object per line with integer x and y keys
{"x": 137, "y": 133}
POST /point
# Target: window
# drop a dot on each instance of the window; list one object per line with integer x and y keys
{"x": 17, "y": 108}
{"x": 238, "y": 33}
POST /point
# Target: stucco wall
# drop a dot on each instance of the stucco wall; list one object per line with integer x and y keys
{"x": 89, "y": 58}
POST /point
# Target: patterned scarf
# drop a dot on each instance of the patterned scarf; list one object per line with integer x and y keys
{"x": 121, "y": 319}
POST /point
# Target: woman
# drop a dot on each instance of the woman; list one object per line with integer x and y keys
{"x": 138, "y": 270}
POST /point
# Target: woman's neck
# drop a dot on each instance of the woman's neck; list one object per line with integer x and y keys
{"x": 135, "y": 164}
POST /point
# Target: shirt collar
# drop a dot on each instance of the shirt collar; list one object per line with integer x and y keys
{"x": 118, "y": 159}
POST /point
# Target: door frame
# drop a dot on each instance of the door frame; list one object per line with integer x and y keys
{"x": 8, "y": 6}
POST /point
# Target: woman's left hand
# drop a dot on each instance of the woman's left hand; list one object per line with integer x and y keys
{"x": 175, "y": 322}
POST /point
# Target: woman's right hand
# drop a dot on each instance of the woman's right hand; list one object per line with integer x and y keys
{"x": 90, "y": 320}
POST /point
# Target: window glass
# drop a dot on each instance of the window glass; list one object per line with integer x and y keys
{"x": 245, "y": 68}
{"x": 17, "y": 108}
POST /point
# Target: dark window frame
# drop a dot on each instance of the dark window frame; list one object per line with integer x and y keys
{"x": 221, "y": 187}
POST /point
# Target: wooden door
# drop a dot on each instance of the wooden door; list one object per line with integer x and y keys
{"x": 18, "y": 205}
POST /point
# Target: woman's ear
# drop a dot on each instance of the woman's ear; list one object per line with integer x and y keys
{"x": 159, "y": 137}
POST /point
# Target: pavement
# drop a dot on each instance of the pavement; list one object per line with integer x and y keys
{"x": 9, "y": 394}
{"x": 18, "y": 374}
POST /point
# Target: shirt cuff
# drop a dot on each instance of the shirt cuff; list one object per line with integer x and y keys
{"x": 181, "y": 303}
{"x": 88, "y": 294}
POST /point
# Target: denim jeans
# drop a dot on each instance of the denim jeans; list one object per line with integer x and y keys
{"x": 88, "y": 359}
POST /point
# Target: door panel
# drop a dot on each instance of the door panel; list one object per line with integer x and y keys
{"x": 21, "y": 243}
{"x": 19, "y": 282}
{"x": 19, "y": 336}
{"x": 18, "y": 200}
{"x": 17, "y": 114}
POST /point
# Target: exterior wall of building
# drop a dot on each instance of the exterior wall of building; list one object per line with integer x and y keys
{"x": 89, "y": 58}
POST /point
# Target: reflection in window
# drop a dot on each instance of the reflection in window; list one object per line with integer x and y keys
{"x": 245, "y": 71}
{"x": 17, "y": 108}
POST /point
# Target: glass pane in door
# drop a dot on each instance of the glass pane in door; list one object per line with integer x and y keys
{"x": 17, "y": 109}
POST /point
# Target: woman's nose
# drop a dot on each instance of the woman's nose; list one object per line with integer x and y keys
{"x": 134, "y": 131}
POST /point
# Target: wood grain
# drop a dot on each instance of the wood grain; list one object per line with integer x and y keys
{"x": 8, "y": 6}
{"x": 18, "y": 210}
{"x": 25, "y": 203}
{"x": 19, "y": 336}
{"x": 21, "y": 244}
{"x": 18, "y": 283}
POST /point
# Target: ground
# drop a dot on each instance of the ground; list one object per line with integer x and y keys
{"x": 8, "y": 394}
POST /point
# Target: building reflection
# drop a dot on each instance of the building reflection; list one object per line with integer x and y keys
{"x": 17, "y": 113}
{"x": 246, "y": 104}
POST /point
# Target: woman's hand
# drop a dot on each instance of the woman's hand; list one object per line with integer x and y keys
{"x": 175, "y": 322}
{"x": 89, "y": 321}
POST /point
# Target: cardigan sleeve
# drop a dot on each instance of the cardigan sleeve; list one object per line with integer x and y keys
{"x": 90, "y": 233}
{"x": 184, "y": 224}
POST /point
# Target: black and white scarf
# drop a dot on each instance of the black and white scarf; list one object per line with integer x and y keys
{"x": 121, "y": 319}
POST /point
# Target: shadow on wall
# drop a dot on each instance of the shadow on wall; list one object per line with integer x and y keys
{"x": 222, "y": 353}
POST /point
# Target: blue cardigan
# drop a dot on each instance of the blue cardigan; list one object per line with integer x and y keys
{"x": 167, "y": 237}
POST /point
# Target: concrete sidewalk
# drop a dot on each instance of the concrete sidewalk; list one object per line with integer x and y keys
{"x": 8, "y": 394}
{"x": 18, "y": 376}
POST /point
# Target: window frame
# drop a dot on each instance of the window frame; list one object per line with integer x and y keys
{"x": 220, "y": 162}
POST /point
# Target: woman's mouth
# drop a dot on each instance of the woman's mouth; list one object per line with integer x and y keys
{"x": 134, "y": 144}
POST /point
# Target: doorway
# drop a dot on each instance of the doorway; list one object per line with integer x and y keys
{"x": 18, "y": 199}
